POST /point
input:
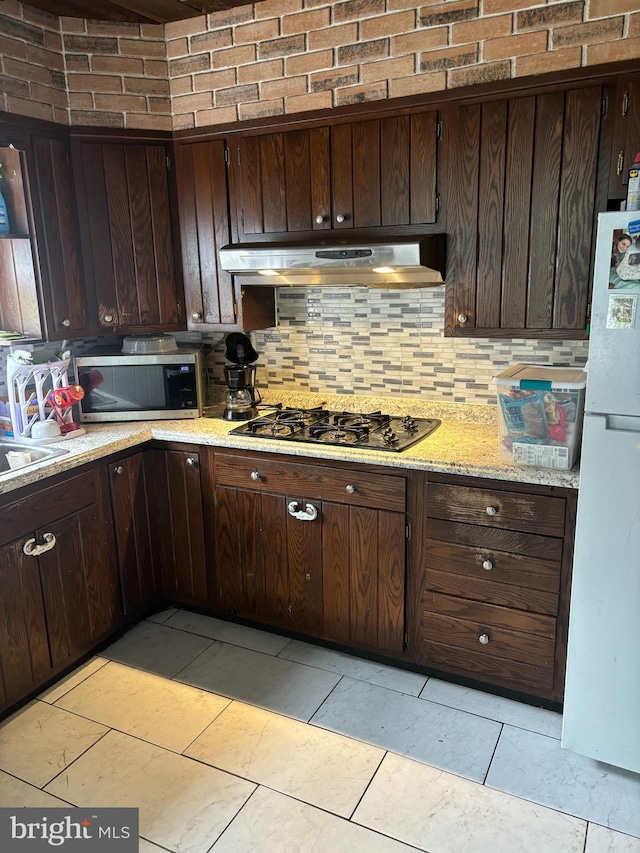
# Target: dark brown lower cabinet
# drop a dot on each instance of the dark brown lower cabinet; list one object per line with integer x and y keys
{"x": 319, "y": 550}
{"x": 176, "y": 517}
{"x": 140, "y": 581}
{"x": 491, "y": 582}
{"x": 60, "y": 589}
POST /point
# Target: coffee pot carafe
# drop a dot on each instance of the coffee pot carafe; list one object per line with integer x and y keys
{"x": 241, "y": 396}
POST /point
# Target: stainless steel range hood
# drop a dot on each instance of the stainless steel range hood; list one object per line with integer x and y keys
{"x": 400, "y": 263}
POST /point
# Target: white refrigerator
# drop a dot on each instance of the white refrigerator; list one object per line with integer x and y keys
{"x": 602, "y": 692}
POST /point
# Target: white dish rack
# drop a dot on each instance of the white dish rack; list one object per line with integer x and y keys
{"x": 29, "y": 387}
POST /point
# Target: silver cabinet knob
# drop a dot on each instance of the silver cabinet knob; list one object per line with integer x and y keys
{"x": 483, "y": 639}
{"x": 255, "y": 476}
{"x": 118, "y": 469}
{"x": 350, "y": 489}
{"x": 108, "y": 318}
{"x": 340, "y": 217}
{"x": 319, "y": 219}
{"x": 488, "y": 565}
{"x": 307, "y": 576}
{"x": 66, "y": 323}
{"x": 196, "y": 316}
{"x": 491, "y": 510}
{"x": 462, "y": 319}
{"x": 190, "y": 461}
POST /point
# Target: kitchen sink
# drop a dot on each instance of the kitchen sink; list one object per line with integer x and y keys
{"x": 37, "y": 454}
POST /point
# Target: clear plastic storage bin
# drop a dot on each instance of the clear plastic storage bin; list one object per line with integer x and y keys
{"x": 540, "y": 411}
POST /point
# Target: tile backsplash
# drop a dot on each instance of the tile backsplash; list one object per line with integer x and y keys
{"x": 358, "y": 340}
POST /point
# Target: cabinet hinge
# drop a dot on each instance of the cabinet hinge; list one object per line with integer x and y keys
{"x": 439, "y": 129}
{"x": 179, "y": 309}
{"x": 407, "y": 531}
{"x": 605, "y": 106}
{"x": 238, "y": 155}
{"x": 169, "y": 162}
{"x": 226, "y": 155}
{"x": 406, "y": 639}
{"x": 437, "y": 202}
{"x": 625, "y": 103}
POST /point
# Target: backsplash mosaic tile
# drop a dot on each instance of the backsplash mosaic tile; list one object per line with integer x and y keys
{"x": 366, "y": 341}
{"x": 363, "y": 341}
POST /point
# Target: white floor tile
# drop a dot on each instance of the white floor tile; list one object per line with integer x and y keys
{"x": 39, "y": 741}
{"x": 494, "y": 707}
{"x": 273, "y": 823}
{"x": 269, "y": 682}
{"x": 156, "y": 648}
{"x": 453, "y": 740}
{"x": 145, "y": 846}
{"x": 313, "y": 765}
{"x": 144, "y": 705}
{"x": 184, "y": 805}
{"x": 228, "y": 632}
{"x": 603, "y": 840}
{"x": 441, "y": 813}
{"x": 537, "y": 768}
{"x": 72, "y": 680}
{"x": 364, "y": 670}
{"x": 14, "y": 793}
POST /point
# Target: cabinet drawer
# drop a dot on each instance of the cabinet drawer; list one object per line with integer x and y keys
{"x": 47, "y": 505}
{"x": 493, "y": 565}
{"x": 485, "y": 628}
{"x": 302, "y": 481}
{"x": 496, "y": 508}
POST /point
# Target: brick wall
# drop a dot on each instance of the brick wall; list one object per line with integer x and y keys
{"x": 32, "y": 72}
{"x": 287, "y": 56}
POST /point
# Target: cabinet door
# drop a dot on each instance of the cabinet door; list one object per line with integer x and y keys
{"x": 80, "y": 585}
{"x": 363, "y": 553}
{"x": 282, "y": 182}
{"x": 125, "y": 206}
{"x": 268, "y": 563}
{"x": 176, "y": 515}
{"x": 133, "y": 533}
{"x": 520, "y": 185}
{"x": 623, "y": 113}
{"x": 213, "y": 300}
{"x": 65, "y": 300}
{"x": 24, "y": 649}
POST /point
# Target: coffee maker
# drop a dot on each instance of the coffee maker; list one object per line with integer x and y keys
{"x": 240, "y": 376}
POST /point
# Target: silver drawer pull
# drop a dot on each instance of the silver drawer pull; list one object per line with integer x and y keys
{"x": 255, "y": 476}
{"x": 491, "y": 510}
{"x": 190, "y": 461}
{"x": 31, "y": 549}
{"x": 350, "y": 489}
{"x": 488, "y": 565}
{"x": 306, "y": 514}
{"x": 483, "y": 639}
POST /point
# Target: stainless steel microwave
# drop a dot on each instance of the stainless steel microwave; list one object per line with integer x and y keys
{"x": 127, "y": 387}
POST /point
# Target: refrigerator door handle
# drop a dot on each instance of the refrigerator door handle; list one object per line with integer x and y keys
{"x": 622, "y": 423}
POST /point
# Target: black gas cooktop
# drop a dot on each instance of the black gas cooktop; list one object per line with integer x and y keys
{"x": 374, "y": 431}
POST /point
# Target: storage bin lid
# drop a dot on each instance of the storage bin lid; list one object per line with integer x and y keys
{"x": 542, "y": 377}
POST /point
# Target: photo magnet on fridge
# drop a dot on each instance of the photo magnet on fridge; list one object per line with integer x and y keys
{"x": 621, "y": 312}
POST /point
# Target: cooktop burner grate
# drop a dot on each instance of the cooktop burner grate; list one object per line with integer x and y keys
{"x": 373, "y": 431}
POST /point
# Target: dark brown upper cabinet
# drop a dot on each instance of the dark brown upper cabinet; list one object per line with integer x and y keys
{"x": 621, "y": 134}
{"x": 65, "y": 309}
{"x": 367, "y": 174}
{"x": 519, "y": 195}
{"x": 213, "y": 300}
{"x": 125, "y": 206}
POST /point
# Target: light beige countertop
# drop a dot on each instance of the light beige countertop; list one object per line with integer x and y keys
{"x": 465, "y": 443}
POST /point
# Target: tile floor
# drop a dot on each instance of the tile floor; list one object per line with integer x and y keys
{"x": 232, "y": 740}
